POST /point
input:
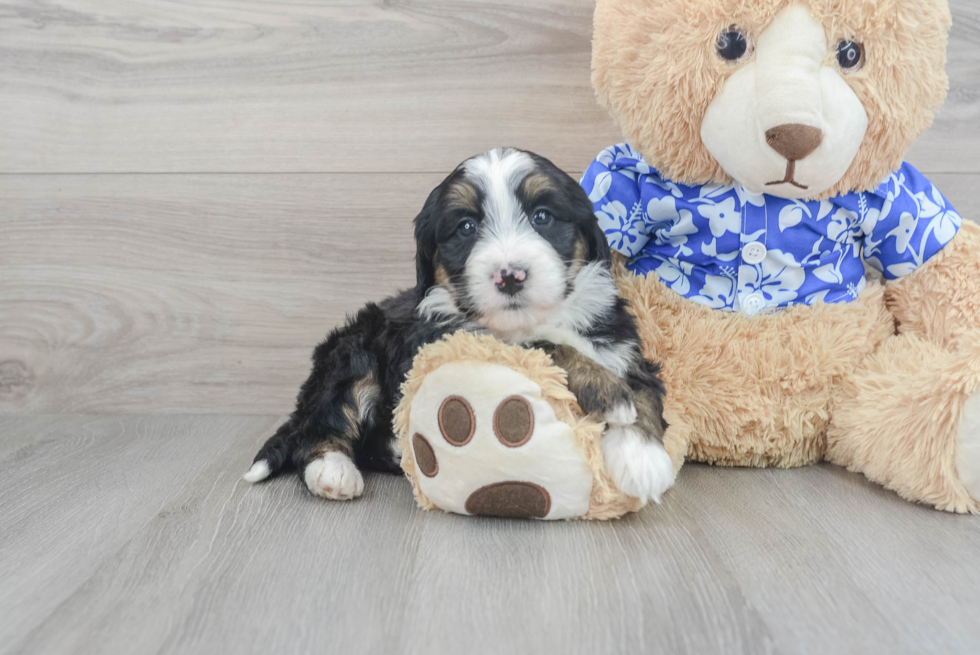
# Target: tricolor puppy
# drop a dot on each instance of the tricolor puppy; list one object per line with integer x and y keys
{"x": 507, "y": 245}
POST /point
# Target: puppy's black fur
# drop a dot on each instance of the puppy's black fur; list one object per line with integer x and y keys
{"x": 346, "y": 405}
{"x": 375, "y": 350}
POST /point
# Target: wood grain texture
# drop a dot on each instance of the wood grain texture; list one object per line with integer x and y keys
{"x": 183, "y": 293}
{"x": 345, "y": 85}
{"x": 200, "y": 293}
{"x": 134, "y": 534}
{"x": 258, "y": 86}
{"x": 193, "y": 290}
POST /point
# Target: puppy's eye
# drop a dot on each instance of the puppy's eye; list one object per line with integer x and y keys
{"x": 541, "y": 217}
{"x": 467, "y": 228}
{"x": 850, "y": 56}
{"x": 734, "y": 45}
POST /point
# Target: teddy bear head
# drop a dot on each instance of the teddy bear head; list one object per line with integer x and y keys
{"x": 798, "y": 99}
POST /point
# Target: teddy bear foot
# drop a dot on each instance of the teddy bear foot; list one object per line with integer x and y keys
{"x": 640, "y": 467}
{"x": 968, "y": 460}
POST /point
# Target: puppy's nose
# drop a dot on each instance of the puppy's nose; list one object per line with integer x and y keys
{"x": 510, "y": 280}
{"x": 794, "y": 141}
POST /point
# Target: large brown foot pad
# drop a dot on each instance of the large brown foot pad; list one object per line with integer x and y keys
{"x": 512, "y": 500}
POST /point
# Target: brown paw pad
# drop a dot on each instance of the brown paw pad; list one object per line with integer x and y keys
{"x": 425, "y": 457}
{"x": 457, "y": 421}
{"x": 513, "y": 421}
{"x": 512, "y": 500}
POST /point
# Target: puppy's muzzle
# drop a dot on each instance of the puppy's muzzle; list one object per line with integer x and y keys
{"x": 510, "y": 280}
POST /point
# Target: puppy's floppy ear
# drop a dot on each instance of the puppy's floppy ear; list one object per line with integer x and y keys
{"x": 595, "y": 241}
{"x": 425, "y": 246}
{"x": 597, "y": 246}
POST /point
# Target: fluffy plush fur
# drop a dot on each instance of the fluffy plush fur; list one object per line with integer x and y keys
{"x": 752, "y": 391}
{"x": 886, "y": 385}
{"x": 506, "y": 245}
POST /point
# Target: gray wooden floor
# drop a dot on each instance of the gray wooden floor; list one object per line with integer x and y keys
{"x": 134, "y": 534}
{"x": 192, "y": 193}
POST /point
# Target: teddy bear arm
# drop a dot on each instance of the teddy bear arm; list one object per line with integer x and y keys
{"x": 941, "y": 299}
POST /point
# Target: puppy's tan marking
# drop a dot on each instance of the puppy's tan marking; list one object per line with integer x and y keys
{"x": 442, "y": 277}
{"x": 649, "y": 413}
{"x": 578, "y": 255}
{"x": 462, "y": 196}
{"x": 536, "y": 186}
{"x": 364, "y": 396}
{"x": 597, "y": 389}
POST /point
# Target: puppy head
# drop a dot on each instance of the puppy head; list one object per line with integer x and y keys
{"x": 502, "y": 239}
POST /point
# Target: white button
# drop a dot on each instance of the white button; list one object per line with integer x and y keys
{"x": 754, "y": 253}
{"x": 754, "y": 303}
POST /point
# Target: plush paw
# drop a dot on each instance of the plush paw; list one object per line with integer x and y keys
{"x": 968, "y": 462}
{"x": 640, "y": 467}
{"x": 494, "y": 446}
{"x": 334, "y": 476}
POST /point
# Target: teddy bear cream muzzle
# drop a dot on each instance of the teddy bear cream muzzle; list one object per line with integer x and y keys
{"x": 786, "y": 123}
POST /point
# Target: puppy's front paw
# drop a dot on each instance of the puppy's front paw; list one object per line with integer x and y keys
{"x": 334, "y": 476}
{"x": 622, "y": 414}
{"x": 640, "y": 467}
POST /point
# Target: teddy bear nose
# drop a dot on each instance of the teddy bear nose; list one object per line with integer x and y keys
{"x": 793, "y": 140}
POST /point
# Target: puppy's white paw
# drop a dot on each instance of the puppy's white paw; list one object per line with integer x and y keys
{"x": 334, "y": 476}
{"x": 640, "y": 467}
{"x": 621, "y": 414}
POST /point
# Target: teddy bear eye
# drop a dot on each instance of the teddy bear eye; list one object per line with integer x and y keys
{"x": 733, "y": 45}
{"x": 850, "y": 56}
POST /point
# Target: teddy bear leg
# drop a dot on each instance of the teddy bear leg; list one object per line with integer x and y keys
{"x": 909, "y": 419}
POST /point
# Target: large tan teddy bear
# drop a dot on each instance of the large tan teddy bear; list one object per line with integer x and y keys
{"x": 809, "y": 295}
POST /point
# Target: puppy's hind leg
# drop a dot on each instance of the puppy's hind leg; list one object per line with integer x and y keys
{"x": 325, "y": 456}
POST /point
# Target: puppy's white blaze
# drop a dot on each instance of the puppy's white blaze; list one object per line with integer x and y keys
{"x": 334, "y": 476}
{"x": 498, "y": 173}
{"x": 258, "y": 472}
{"x": 640, "y": 467}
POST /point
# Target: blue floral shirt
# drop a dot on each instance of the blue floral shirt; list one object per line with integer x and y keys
{"x": 729, "y": 249}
